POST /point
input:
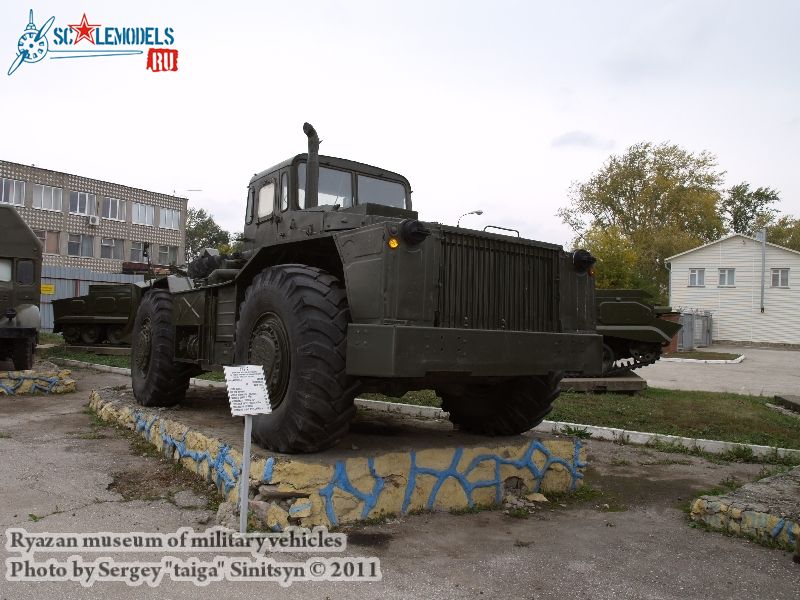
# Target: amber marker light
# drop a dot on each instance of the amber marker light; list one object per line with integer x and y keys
{"x": 393, "y": 243}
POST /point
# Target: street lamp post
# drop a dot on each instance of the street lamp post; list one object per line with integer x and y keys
{"x": 472, "y": 212}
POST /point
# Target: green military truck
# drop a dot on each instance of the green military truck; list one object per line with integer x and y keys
{"x": 633, "y": 329}
{"x": 100, "y": 316}
{"x": 340, "y": 288}
{"x": 20, "y": 289}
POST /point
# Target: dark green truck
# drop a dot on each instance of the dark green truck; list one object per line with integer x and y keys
{"x": 20, "y": 289}
{"x": 340, "y": 288}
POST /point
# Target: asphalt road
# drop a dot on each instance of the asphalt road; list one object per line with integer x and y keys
{"x": 763, "y": 372}
{"x": 73, "y": 476}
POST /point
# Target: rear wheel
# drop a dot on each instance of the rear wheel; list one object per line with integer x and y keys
{"x": 293, "y": 322}
{"x": 23, "y": 354}
{"x": 90, "y": 334}
{"x": 72, "y": 334}
{"x": 158, "y": 380}
{"x": 506, "y": 408}
{"x": 114, "y": 334}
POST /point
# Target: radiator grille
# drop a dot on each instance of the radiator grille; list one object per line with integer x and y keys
{"x": 492, "y": 283}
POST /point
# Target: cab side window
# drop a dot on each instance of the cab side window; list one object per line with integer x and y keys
{"x": 266, "y": 200}
{"x": 251, "y": 195}
{"x": 284, "y": 191}
{"x": 25, "y": 272}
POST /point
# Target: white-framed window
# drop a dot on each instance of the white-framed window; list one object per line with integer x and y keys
{"x": 81, "y": 203}
{"x": 137, "y": 252}
{"x": 266, "y": 200}
{"x": 168, "y": 255}
{"x": 80, "y": 245}
{"x": 697, "y": 277}
{"x": 780, "y": 278}
{"x": 170, "y": 218}
{"x": 46, "y": 197}
{"x": 113, "y": 208}
{"x": 12, "y": 192}
{"x": 143, "y": 214}
{"x": 112, "y": 248}
{"x": 49, "y": 240}
{"x": 727, "y": 277}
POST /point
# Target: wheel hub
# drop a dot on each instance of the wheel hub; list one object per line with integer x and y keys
{"x": 143, "y": 347}
{"x": 269, "y": 347}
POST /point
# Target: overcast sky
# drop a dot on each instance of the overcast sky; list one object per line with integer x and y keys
{"x": 490, "y": 105}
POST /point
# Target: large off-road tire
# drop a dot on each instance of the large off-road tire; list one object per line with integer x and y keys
{"x": 22, "y": 355}
{"x": 507, "y": 408}
{"x": 158, "y": 380}
{"x": 293, "y": 322}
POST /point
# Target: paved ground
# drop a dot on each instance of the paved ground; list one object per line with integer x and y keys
{"x": 74, "y": 476}
{"x": 764, "y": 372}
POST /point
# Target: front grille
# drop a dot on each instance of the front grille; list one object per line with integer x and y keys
{"x": 493, "y": 283}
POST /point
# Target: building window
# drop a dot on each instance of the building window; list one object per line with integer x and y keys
{"x": 170, "y": 219}
{"x": 111, "y": 248}
{"x": 49, "y": 240}
{"x": 113, "y": 209}
{"x": 81, "y": 203}
{"x": 80, "y": 245}
{"x": 168, "y": 255}
{"x": 12, "y": 192}
{"x": 727, "y": 277}
{"x": 143, "y": 214}
{"x": 697, "y": 277}
{"x": 46, "y": 197}
{"x": 780, "y": 278}
{"x": 137, "y": 252}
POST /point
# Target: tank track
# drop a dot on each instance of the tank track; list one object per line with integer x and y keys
{"x": 630, "y": 366}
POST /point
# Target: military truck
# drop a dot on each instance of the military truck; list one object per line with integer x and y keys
{"x": 634, "y": 332}
{"x": 340, "y": 288}
{"x": 100, "y": 316}
{"x": 20, "y": 289}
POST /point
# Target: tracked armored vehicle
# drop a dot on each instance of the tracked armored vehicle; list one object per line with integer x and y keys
{"x": 100, "y": 316}
{"x": 340, "y": 288}
{"x": 633, "y": 329}
{"x": 20, "y": 289}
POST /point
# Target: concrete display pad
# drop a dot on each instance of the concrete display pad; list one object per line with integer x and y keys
{"x": 627, "y": 383}
{"x": 17, "y": 383}
{"x": 390, "y": 464}
{"x": 766, "y": 510}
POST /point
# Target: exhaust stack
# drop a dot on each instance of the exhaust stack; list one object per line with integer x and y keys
{"x": 312, "y": 166}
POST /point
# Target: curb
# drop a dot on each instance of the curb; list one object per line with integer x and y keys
{"x": 123, "y": 371}
{"x": 735, "y": 361}
{"x": 612, "y": 434}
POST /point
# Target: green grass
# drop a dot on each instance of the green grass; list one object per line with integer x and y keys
{"x": 710, "y": 415}
{"x": 45, "y": 337}
{"x": 418, "y": 398}
{"x": 703, "y": 355}
{"x": 97, "y": 359}
{"x": 110, "y": 361}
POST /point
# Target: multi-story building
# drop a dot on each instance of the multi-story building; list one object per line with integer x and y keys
{"x": 100, "y": 226}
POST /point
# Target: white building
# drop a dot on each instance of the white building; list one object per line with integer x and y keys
{"x": 725, "y": 277}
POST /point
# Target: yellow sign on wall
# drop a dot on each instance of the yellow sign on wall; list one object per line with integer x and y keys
{"x": 48, "y": 289}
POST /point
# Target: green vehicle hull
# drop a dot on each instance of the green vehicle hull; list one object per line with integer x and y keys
{"x": 100, "y": 316}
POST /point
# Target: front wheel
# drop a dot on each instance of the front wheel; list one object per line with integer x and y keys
{"x": 293, "y": 322}
{"x": 23, "y": 354}
{"x": 157, "y": 379}
{"x": 507, "y": 408}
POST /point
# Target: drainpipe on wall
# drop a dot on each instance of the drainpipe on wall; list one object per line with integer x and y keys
{"x": 762, "y": 236}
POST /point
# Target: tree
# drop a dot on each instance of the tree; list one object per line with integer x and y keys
{"x": 654, "y": 201}
{"x": 785, "y": 232}
{"x": 203, "y": 232}
{"x": 745, "y": 211}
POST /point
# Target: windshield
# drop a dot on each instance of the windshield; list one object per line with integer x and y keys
{"x": 335, "y": 187}
{"x": 380, "y": 191}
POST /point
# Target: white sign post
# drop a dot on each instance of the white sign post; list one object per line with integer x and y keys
{"x": 248, "y": 396}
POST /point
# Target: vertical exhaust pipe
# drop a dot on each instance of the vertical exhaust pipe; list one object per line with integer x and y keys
{"x": 312, "y": 166}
